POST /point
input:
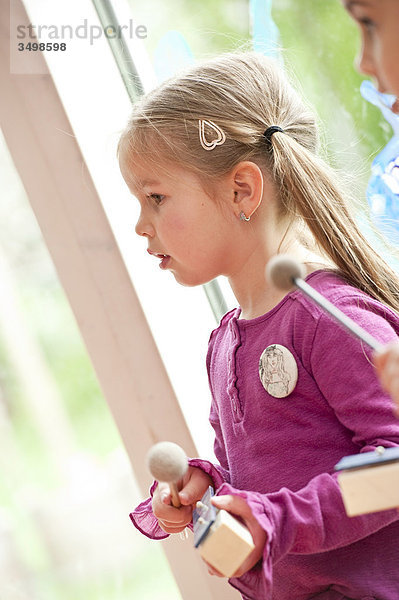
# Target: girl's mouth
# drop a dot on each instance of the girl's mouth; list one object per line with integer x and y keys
{"x": 164, "y": 258}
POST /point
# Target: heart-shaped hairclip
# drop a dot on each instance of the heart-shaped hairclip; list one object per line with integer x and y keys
{"x": 217, "y": 141}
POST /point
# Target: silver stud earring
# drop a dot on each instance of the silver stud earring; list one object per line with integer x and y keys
{"x": 243, "y": 217}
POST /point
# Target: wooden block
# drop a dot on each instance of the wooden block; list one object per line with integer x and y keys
{"x": 370, "y": 490}
{"x": 369, "y": 482}
{"x": 227, "y": 544}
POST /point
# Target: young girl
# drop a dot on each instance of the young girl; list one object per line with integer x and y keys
{"x": 378, "y": 21}
{"x": 223, "y": 163}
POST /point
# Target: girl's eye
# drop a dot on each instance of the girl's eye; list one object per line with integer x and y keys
{"x": 367, "y": 23}
{"x": 157, "y": 198}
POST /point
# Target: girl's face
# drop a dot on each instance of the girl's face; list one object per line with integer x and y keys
{"x": 185, "y": 228}
{"x": 272, "y": 359}
{"x": 379, "y": 25}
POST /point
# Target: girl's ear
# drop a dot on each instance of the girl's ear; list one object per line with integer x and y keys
{"x": 247, "y": 181}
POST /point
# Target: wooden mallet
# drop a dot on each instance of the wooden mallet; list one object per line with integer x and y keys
{"x": 167, "y": 462}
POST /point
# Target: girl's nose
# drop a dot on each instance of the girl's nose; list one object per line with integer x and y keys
{"x": 144, "y": 227}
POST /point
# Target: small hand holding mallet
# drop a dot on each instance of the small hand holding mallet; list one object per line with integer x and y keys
{"x": 223, "y": 542}
{"x": 369, "y": 481}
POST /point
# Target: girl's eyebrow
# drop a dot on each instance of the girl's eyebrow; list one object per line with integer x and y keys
{"x": 349, "y": 4}
{"x": 147, "y": 182}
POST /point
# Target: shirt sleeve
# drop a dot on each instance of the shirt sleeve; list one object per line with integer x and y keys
{"x": 313, "y": 519}
{"x": 218, "y": 446}
{"x": 342, "y": 367}
{"x": 144, "y": 520}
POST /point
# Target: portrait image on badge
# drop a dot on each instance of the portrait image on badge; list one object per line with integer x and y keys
{"x": 278, "y": 371}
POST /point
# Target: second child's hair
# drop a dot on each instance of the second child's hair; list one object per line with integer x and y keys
{"x": 244, "y": 94}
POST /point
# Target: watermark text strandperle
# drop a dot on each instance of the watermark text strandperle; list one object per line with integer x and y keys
{"x": 83, "y": 31}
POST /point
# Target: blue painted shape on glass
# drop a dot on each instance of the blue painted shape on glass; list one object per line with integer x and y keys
{"x": 265, "y": 33}
{"x": 383, "y": 186}
{"x": 171, "y": 55}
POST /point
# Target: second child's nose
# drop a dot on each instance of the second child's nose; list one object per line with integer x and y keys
{"x": 364, "y": 61}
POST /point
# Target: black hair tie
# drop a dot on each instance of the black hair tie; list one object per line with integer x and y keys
{"x": 269, "y": 132}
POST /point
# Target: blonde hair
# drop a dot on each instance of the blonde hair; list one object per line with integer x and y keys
{"x": 244, "y": 93}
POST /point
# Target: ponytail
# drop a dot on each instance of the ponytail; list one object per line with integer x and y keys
{"x": 309, "y": 188}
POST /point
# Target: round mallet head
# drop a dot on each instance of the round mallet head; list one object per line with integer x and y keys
{"x": 168, "y": 462}
{"x": 282, "y": 269}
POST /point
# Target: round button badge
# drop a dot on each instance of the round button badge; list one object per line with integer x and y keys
{"x": 278, "y": 371}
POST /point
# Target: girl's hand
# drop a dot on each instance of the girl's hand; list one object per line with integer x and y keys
{"x": 239, "y": 508}
{"x": 192, "y": 487}
{"x": 387, "y": 366}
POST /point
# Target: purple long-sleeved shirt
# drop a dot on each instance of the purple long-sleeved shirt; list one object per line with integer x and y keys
{"x": 279, "y": 453}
